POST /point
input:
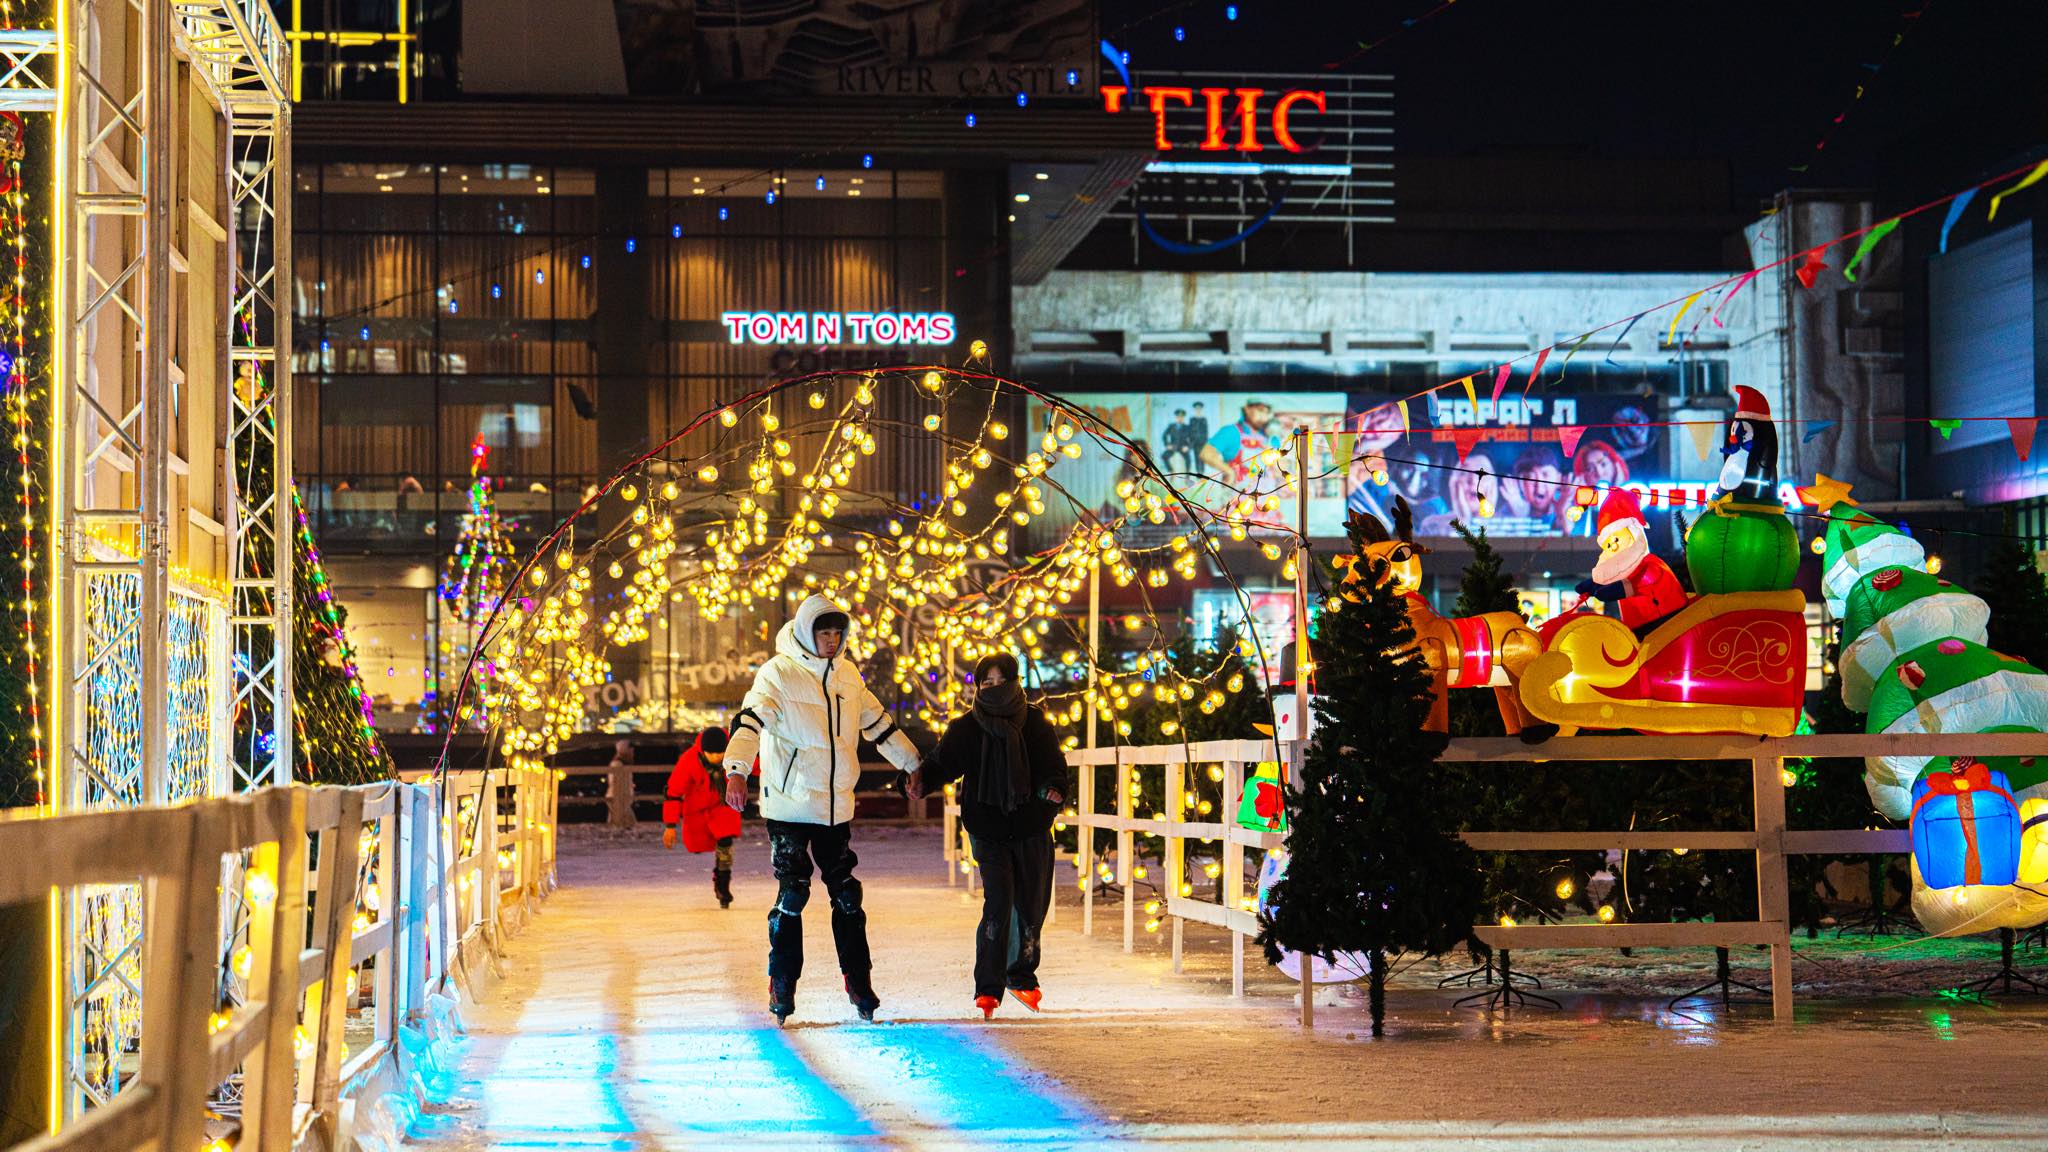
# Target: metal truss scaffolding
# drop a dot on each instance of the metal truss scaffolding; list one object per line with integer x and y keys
{"x": 169, "y": 441}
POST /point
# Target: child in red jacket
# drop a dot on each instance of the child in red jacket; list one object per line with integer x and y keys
{"x": 696, "y": 801}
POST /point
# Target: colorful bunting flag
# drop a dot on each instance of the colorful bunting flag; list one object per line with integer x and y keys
{"x": 2025, "y": 182}
{"x": 1624, "y": 334}
{"x": 1568, "y": 438}
{"x": 1945, "y": 427}
{"x": 1815, "y": 428}
{"x": 1404, "y": 416}
{"x": 1955, "y": 213}
{"x": 1500, "y": 384}
{"x": 1470, "y": 393}
{"x": 1809, "y": 268}
{"x": 1537, "y": 370}
{"x": 1467, "y": 439}
{"x": 1870, "y": 241}
{"x": 2022, "y": 436}
{"x": 1702, "y": 436}
{"x": 1739, "y": 286}
{"x": 1671, "y": 337}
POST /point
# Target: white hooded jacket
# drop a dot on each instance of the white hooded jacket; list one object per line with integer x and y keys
{"x": 805, "y": 717}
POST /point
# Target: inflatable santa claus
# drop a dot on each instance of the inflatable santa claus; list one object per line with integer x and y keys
{"x": 1628, "y": 575}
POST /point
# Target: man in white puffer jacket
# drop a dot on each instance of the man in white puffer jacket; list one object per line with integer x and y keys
{"x": 805, "y": 716}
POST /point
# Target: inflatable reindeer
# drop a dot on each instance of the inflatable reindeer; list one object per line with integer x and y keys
{"x": 1461, "y": 652}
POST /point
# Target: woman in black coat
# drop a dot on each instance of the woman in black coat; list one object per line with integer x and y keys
{"x": 1013, "y": 781}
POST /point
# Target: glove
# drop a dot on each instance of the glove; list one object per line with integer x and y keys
{"x": 668, "y": 837}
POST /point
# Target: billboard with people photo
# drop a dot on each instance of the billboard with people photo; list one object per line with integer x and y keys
{"x": 1212, "y": 447}
{"x": 1516, "y": 478}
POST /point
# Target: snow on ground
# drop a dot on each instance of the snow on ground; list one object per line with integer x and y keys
{"x": 632, "y": 1016}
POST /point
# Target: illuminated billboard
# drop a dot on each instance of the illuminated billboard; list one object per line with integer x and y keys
{"x": 1515, "y": 479}
{"x": 1209, "y": 444}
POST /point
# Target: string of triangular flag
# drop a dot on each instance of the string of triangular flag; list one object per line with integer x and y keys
{"x": 1810, "y": 263}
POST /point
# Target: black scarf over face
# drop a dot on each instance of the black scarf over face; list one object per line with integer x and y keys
{"x": 1005, "y": 778}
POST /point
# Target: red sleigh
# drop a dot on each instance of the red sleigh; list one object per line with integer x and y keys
{"x": 1728, "y": 663}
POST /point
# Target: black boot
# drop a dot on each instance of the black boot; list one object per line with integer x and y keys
{"x": 781, "y": 998}
{"x": 721, "y": 883}
{"x": 861, "y": 992}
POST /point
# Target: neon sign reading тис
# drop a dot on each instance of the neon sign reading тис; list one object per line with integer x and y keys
{"x": 838, "y": 327}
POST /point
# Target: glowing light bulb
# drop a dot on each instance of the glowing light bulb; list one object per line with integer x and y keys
{"x": 728, "y": 418}
{"x": 1934, "y": 565}
{"x": 1788, "y": 777}
{"x": 931, "y": 423}
{"x": 1606, "y": 914}
{"x": 1819, "y": 545}
{"x": 1379, "y": 477}
{"x": 1565, "y": 888}
{"x": 817, "y": 400}
{"x": 933, "y": 381}
{"x": 999, "y": 431}
{"x": 769, "y": 422}
{"x": 708, "y": 474}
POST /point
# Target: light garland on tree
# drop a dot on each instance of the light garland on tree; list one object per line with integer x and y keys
{"x": 329, "y": 621}
{"x": 473, "y": 576}
{"x": 20, "y": 403}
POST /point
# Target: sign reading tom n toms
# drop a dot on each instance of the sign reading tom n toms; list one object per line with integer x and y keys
{"x": 827, "y": 328}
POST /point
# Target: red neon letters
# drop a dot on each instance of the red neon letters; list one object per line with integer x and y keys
{"x": 1246, "y": 114}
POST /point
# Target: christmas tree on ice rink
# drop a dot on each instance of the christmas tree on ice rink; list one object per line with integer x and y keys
{"x": 1374, "y": 867}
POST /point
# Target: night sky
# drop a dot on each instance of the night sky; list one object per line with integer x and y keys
{"x": 1755, "y": 82}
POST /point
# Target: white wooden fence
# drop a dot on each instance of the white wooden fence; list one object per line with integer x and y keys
{"x": 383, "y": 875}
{"x": 1768, "y": 838}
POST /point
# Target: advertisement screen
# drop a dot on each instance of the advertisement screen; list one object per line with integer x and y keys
{"x": 1516, "y": 464}
{"x": 1208, "y": 444}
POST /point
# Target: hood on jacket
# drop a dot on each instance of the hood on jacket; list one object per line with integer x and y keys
{"x": 795, "y": 637}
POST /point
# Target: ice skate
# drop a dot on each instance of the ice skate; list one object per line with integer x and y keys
{"x": 862, "y": 995}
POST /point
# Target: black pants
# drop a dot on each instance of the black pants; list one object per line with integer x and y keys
{"x": 792, "y": 848}
{"x": 1016, "y": 888}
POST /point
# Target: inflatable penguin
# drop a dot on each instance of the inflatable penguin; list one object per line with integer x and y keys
{"x": 1744, "y": 543}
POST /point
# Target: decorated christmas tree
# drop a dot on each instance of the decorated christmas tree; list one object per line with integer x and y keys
{"x": 473, "y": 580}
{"x": 1375, "y": 866}
{"x": 334, "y": 737}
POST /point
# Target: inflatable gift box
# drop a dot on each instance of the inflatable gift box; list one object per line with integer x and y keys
{"x": 2034, "y": 841}
{"x": 1966, "y": 829}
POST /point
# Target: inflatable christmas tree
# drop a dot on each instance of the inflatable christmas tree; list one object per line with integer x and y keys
{"x": 1914, "y": 657}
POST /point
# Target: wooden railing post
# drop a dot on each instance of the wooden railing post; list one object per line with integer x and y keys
{"x": 1175, "y": 847}
{"x": 179, "y": 967}
{"x": 1773, "y": 885}
{"x": 327, "y": 999}
{"x": 276, "y": 937}
{"x": 413, "y": 951}
{"x": 1231, "y": 895}
{"x": 1084, "y": 844}
{"x": 389, "y": 865}
{"x": 1126, "y": 848}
